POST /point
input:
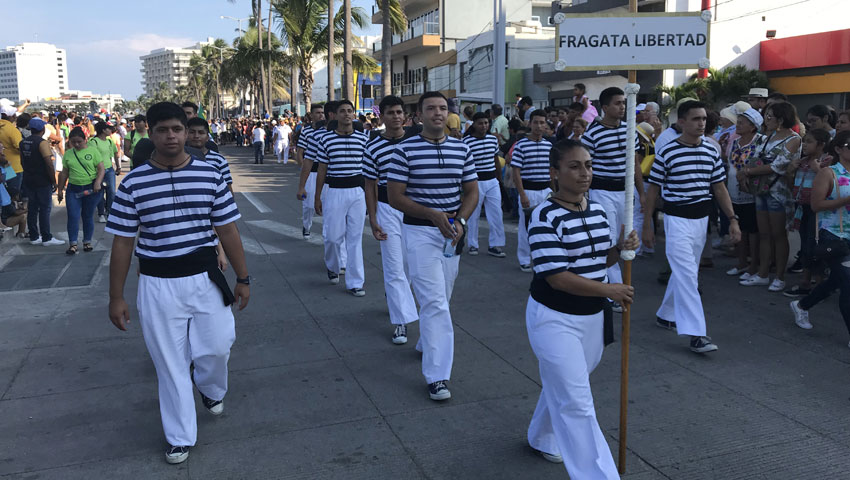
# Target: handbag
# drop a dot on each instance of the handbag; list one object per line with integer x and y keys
{"x": 830, "y": 249}
{"x": 761, "y": 184}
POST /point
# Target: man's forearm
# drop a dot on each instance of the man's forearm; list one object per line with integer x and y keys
{"x": 469, "y": 200}
{"x": 721, "y": 194}
{"x": 231, "y": 242}
{"x": 371, "y": 187}
{"x": 119, "y": 265}
{"x": 517, "y": 181}
{"x": 320, "y": 178}
{"x": 651, "y": 197}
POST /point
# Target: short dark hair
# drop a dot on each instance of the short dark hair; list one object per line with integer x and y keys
{"x": 686, "y": 107}
{"x": 317, "y": 106}
{"x": 821, "y": 136}
{"x": 479, "y": 116}
{"x": 100, "y": 127}
{"x": 515, "y": 124}
{"x": 785, "y": 113}
{"x": 76, "y": 132}
{"x": 192, "y": 105}
{"x": 818, "y": 111}
{"x": 390, "y": 101}
{"x": 711, "y": 121}
{"x": 137, "y": 118}
{"x": 841, "y": 138}
{"x": 526, "y": 100}
{"x": 468, "y": 111}
{"x": 162, "y": 111}
{"x": 560, "y": 149}
{"x": 537, "y": 113}
{"x": 331, "y": 106}
{"x": 577, "y": 106}
{"x": 198, "y": 122}
{"x": 609, "y": 93}
{"x": 581, "y": 87}
{"x": 778, "y": 96}
{"x": 427, "y": 95}
{"x": 342, "y": 102}
{"x": 497, "y": 109}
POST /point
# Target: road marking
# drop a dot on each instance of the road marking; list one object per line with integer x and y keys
{"x": 256, "y": 248}
{"x": 286, "y": 230}
{"x": 256, "y": 202}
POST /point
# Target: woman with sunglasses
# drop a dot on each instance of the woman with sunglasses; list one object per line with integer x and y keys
{"x": 571, "y": 249}
{"x": 83, "y": 169}
{"x": 830, "y": 198}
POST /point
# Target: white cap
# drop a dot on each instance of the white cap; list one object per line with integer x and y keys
{"x": 9, "y": 110}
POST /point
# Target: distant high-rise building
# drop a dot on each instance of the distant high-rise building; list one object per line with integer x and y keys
{"x": 168, "y": 65}
{"x": 33, "y": 70}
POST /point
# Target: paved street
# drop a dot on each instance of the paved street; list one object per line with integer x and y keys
{"x": 318, "y": 391}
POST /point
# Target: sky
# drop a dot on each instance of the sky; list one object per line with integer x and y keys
{"x": 104, "y": 40}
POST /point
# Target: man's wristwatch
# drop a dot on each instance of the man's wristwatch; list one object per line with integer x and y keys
{"x": 244, "y": 281}
{"x": 735, "y": 217}
{"x": 462, "y": 222}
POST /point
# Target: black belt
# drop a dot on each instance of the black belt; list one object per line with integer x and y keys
{"x": 529, "y": 185}
{"x": 486, "y": 175}
{"x": 201, "y": 260}
{"x": 609, "y": 184}
{"x": 407, "y": 219}
{"x": 693, "y": 210}
{"x": 315, "y": 167}
{"x": 383, "y": 196}
{"x": 345, "y": 182}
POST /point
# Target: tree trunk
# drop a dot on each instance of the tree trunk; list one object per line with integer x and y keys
{"x": 347, "y": 77}
{"x": 306, "y": 78}
{"x": 262, "y": 64}
{"x": 270, "y": 84}
{"x": 330, "y": 50}
{"x": 386, "y": 47}
{"x": 293, "y": 96}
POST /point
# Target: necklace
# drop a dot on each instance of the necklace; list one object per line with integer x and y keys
{"x": 581, "y": 215}
{"x": 435, "y": 140}
{"x": 171, "y": 167}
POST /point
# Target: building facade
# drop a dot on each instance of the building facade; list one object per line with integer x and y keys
{"x": 33, "y": 70}
{"x": 168, "y": 66}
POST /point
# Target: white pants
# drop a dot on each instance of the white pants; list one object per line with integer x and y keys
{"x": 535, "y": 198}
{"x": 400, "y": 301}
{"x": 488, "y": 191}
{"x": 282, "y": 148}
{"x": 307, "y": 203}
{"x": 433, "y": 277}
{"x": 184, "y": 321}
{"x": 345, "y": 214}
{"x": 568, "y": 348}
{"x": 682, "y": 303}
{"x": 614, "y": 204}
{"x": 638, "y": 220}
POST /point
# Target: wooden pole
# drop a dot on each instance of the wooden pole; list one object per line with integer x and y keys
{"x": 627, "y": 269}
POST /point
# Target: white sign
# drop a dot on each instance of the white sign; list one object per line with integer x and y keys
{"x": 639, "y": 41}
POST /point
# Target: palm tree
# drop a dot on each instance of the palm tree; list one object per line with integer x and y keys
{"x": 243, "y": 71}
{"x": 395, "y": 22}
{"x": 304, "y": 32}
{"x": 347, "y": 80}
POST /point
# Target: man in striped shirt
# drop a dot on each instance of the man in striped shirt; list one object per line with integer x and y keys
{"x": 340, "y": 156}
{"x": 605, "y": 139}
{"x": 484, "y": 148}
{"x": 181, "y": 209}
{"x": 199, "y": 134}
{"x": 686, "y": 171}
{"x": 530, "y": 168}
{"x": 386, "y": 221}
{"x": 307, "y": 181}
{"x": 425, "y": 180}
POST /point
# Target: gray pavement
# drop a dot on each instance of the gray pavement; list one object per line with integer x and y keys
{"x": 318, "y": 391}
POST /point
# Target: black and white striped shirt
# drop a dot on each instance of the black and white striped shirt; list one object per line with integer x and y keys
{"x": 312, "y": 152}
{"x": 686, "y": 173}
{"x": 484, "y": 151}
{"x": 343, "y": 154}
{"x": 304, "y": 137}
{"x": 175, "y": 212}
{"x": 433, "y": 173}
{"x": 377, "y": 158}
{"x": 607, "y": 147}
{"x": 218, "y": 161}
{"x": 532, "y": 159}
{"x": 563, "y": 240}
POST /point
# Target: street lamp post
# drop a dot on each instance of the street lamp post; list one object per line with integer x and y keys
{"x": 238, "y": 20}
{"x": 218, "y": 81}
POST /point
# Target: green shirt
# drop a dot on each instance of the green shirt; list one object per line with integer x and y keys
{"x": 106, "y": 148}
{"x": 82, "y": 165}
{"x": 134, "y": 139}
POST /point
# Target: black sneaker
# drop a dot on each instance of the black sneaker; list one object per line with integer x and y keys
{"x": 176, "y": 454}
{"x": 357, "y": 292}
{"x": 400, "y": 335}
{"x": 333, "y": 277}
{"x": 472, "y": 251}
{"x": 305, "y": 233}
{"x": 438, "y": 391}
{"x": 216, "y": 407}
{"x": 342, "y": 271}
{"x": 616, "y": 307}
{"x": 702, "y": 345}
{"x": 496, "y": 252}
{"x": 661, "y": 323}
{"x": 797, "y": 266}
{"x": 526, "y": 268}
{"x": 796, "y": 291}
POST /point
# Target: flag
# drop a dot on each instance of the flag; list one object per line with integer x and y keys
{"x": 201, "y": 113}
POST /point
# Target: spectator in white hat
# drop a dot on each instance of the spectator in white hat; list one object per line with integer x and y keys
{"x": 757, "y": 98}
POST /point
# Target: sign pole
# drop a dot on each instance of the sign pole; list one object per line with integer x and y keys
{"x": 631, "y": 90}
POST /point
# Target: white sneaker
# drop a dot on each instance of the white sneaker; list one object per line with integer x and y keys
{"x": 736, "y": 271}
{"x": 37, "y": 241}
{"x": 745, "y": 276}
{"x": 53, "y": 241}
{"x": 801, "y": 317}
{"x": 101, "y": 219}
{"x": 755, "y": 280}
{"x": 777, "y": 285}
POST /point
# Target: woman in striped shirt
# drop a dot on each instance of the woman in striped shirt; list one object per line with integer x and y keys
{"x": 571, "y": 249}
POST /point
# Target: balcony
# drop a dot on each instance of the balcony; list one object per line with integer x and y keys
{"x": 407, "y": 5}
{"x": 424, "y": 35}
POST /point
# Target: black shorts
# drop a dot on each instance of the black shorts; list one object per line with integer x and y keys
{"x": 746, "y": 213}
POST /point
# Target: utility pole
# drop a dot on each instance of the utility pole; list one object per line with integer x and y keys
{"x": 347, "y": 77}
{"x": 331, "y": 50}
{"x": 499, "y": 47}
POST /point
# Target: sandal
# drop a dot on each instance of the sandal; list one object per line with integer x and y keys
{"x": 87, "y": 247}
{"x": 72, "y": 250}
